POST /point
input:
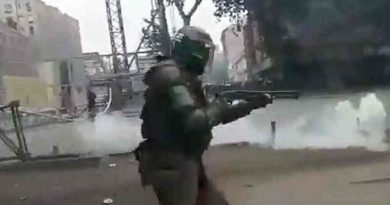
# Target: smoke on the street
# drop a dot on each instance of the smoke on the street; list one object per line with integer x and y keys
{"x": 110, "y": 134}
{"x": 337, "y": 125}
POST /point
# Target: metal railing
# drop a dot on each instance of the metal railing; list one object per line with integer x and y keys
{"x": 138, "y": 61}
{"x": 20, "y": 148}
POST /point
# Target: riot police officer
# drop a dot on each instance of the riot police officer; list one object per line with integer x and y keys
{"x": 177, "y": 123}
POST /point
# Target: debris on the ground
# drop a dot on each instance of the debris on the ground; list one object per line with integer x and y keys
{"x": 112, "y": 165}
{"x": 23, "y": 198}
{"x": 249, "y": 185}
{"x": 108, "y": 201}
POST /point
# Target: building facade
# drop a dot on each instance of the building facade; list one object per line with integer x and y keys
{"x": 234, "y": 50}
{"x": 256, "y": 60}
{"x": 243, "y": 48}
{"x": 54, "y": 35}
{"x": 65, "y": 82}
{"x": 38, "y": 46}
{"x": 16, "y": 58}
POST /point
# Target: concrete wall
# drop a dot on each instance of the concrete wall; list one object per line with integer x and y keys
{"x": 51, "y": 76}
{"x": 16, "y": 53}
{"x": 79, "y": 82}
{"x": 16, "y": 57}
{"x": 31, "y": 92}
{"x": 48, "y": 73}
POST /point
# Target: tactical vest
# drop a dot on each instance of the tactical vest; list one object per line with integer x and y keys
{"x": 161, "y": 127}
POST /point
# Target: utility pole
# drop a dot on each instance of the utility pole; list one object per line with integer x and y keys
{"x": 117, "y": 36}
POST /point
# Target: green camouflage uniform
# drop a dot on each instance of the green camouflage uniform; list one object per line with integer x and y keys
{"x": 177, "y": 123}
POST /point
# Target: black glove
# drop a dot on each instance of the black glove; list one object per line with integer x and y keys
{"x": 260, "y": 101}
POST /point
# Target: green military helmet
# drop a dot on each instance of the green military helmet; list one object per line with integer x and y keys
{"x": 193, "y": 48}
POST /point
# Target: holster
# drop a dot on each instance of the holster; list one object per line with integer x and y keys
{"x": 141, "y": 153}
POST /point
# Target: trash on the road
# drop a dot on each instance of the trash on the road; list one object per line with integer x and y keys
{"x": 23, "y": 198}
{"x": 112, "y": 165}
{"x": 108, "y": 201}
{"x": 249, "y": 185}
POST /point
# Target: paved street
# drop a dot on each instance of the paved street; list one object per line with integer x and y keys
{"x": 247, "y": 176}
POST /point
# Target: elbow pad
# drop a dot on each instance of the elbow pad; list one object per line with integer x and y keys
{"x": 183, "y": 104}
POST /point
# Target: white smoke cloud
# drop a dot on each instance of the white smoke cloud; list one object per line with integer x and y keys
{"x": 308, "y": 122}
{"x": 303, "y": 124}
{"x": 110, "y": 134}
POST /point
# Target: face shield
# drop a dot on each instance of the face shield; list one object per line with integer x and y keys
{"x": 202, "y": 56}
{"x": 195, "y": 49}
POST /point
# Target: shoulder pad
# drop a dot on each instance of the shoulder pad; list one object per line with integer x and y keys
{"x": 164, "y": 74}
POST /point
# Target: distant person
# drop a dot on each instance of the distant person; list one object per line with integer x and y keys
{"x": 91, "y": 97}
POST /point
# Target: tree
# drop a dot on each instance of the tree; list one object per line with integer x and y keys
{"x": 156, "y": 35}
{"x": 305, "y": 32}
{"x": 179, "y": 4}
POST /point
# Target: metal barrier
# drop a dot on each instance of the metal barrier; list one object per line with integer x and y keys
{"x": 139, "y": 62}
{"x": 20, "y": 148}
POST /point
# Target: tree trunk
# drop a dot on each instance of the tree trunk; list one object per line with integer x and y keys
{"x": 165, "y": 40}
{"x": 186, "y": 21}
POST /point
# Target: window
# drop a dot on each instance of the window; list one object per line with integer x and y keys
{"x": 11, "y": 23}
{"x": 8, "y": 6}
{"x": 28, "y": 7}
{"x": 32, "y": 30}
{"x": 30, "y": 19}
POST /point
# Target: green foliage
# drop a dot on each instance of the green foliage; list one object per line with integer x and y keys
{"x": 152, "y": 38}
{"x": 323, "y": 17}
{"x": 234, "y": 9}
{"x": 299, "y": 31}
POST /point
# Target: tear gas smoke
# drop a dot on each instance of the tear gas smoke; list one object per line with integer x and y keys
{"x": 111, "y": 134}
{"x": 307, "y": 124}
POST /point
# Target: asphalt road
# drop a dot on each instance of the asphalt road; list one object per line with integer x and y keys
{"x": 246, "y": 175}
